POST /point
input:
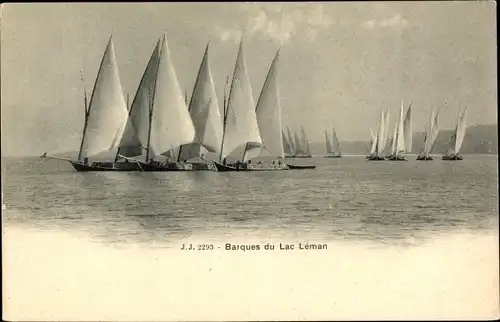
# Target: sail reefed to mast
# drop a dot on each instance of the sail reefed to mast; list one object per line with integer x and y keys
{"x": 107, "y": 112}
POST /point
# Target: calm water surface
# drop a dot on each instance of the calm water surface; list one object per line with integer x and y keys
{"x": 348, "y": 198}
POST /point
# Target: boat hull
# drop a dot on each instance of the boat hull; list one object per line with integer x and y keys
{"x": 452, "y": 158}
{"x": 397, "y": 158}
{"x": 333, "y": 156}
{"x": 301, "y": 167}
{"x": 375, "y": 158}
{"x": 300, "y": 156}
{"x": 250, "y": 167}
{"x": 424, "y": 158}
{"x": 105, "y": 166}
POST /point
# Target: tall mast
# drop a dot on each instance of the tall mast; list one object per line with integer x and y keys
{"x": 150, "y": 121}
{"x": 225, "y": 110}
{"x": 86, "y": 114}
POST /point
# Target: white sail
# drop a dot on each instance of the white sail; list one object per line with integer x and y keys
{"x": 290, "y": 141}
{"x": 304, "y": 142}
{"x": 286, "y": 144}
{"x": 335, "y": 142}
{"x": 408, "y": 130}
{"x": 400, "y": 139}
{"x": 107, "y": 111}
{"x": 328, "y": 143}
{"x": 130, "y": 145}
{"x": 386, "y": 130}
{"x": 205, "y": 113}
{"x": 429, "y": 128}
{"x": 394, "y": 140}
{"x": 241, "y": 121}
{"x": 268, "y": 111}
{"x": 434, "y": 132}
{"x": 298, "y": 145}
{"x": 142, "y": 102}
{"x": 460, "y": 131}
{"x": 171, "y": 124}
{"x": 373, "y": 141}
{"x": 380, "y": 135}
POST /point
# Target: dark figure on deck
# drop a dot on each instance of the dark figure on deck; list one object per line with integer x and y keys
{"x": 85, "y": 160}
{"x": 224, "y": 161}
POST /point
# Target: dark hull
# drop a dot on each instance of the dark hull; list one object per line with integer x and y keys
{"x": 397, "y": 158}
{"x": 298, "y": 156}
{"x": 246, "y": 167}
{"x": 424, "y": 158}
{"x": 333, "y": 156}
{"x": 105, "y": 166}
{"x": 374, "y": 158}
{"x": 452, "y": 158}
{"x": 301, "y": 167}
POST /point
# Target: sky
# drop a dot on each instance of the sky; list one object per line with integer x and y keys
{"x": 341, "y": 62}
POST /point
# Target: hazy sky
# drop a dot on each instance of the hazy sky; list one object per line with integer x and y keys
{"x": 340, "y": 62}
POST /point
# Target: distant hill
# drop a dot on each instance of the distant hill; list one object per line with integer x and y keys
{"x": 481, "y": 139}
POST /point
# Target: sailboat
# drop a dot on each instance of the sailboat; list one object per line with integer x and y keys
{"x": 105, "y": 119}
{"x": 159, "y": 114}
{"x": 408, "y": 130}
{"x": 398, "y": 140}
{"x": 204, "y": 111}
{"x": 332, "y": 145}
{"x": 290, "y": 149}
{"x": 377, "y": 146}
{"x": 430, "y": 135}
{"x": 240, "y": 125}
{"x": 457, "y": 139}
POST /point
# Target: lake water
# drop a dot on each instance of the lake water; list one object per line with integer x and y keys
{"x": 406, "y": 240}
{"x": 348, "y": 198}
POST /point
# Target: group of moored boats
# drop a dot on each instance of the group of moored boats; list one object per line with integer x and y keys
{"x": 400, "y": 144}
{"x": 161, "y": 131}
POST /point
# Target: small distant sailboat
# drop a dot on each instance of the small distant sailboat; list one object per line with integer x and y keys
{"x": 430, "y": 135}
{"x": 377, "y": 146}
{"x": 290, "y": 148}
{"x": 106, "y": 118}
{"x": 332, "y": 145}
{"x": 398, "y": 140}
{"x": 457, "y": 139}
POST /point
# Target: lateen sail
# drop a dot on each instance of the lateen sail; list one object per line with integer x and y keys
{"x": 380, "y": 135}
{"x": 286, "y": 145}
{"x": 328, "y": 143}
{"x": 108, "y": 113}
{"x": 429, "y": 131}
{"x": 434, "y": 132}
{"x": 297, "y": 144}
{"x": 268, "y": 112}
{"x": 373, "y": 142}
{"x": 171, "y": 124}
{"x": 204, "y": 111}
{"x": 305, "y": 142}
{"x": 241, "y": 121}
{"x": 408, "y": 130}
{"x": 139, "y": 111}
{"x": 460, "y": 131}
{"x": 400, "y": 142}
{"x": 293, "y": 148}
{"x": 130, "y": 145}
{"x": 386, "y": 130}
{"x": 335, "y": 143}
